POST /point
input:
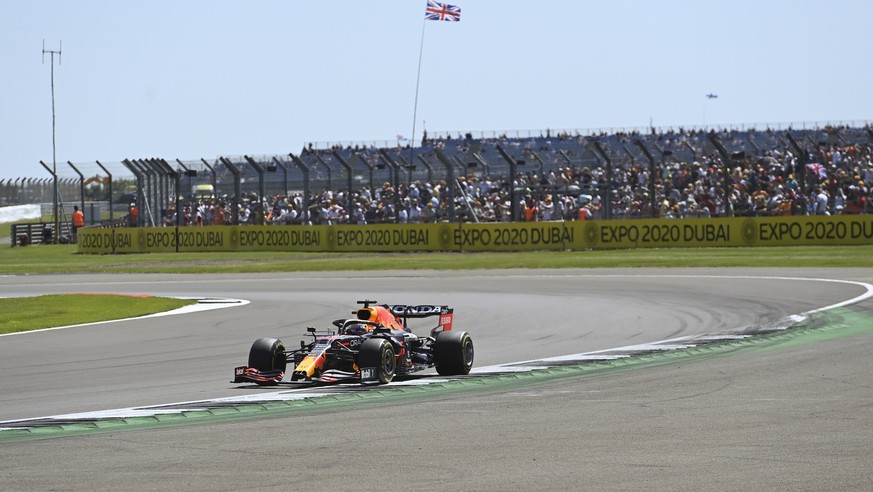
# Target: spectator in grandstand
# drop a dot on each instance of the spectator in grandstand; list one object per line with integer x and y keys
{"x": 219, "y": 215}
{"x": 839, "y": 201}
{"x": 819, "y": 202}
{"x": 334, "y": 214}
{"x": 245, "y": 214}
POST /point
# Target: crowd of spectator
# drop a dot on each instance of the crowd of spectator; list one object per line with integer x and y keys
{"x": 832, "y": 179}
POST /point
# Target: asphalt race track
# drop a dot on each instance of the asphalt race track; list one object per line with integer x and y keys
{"x": 796, "y": 415}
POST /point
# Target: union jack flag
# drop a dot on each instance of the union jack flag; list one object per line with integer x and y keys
{"x": 818, "y": 169}
{"x": 442, "y": 12}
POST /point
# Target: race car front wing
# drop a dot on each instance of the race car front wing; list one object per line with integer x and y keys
{"x": 245, "y": 374}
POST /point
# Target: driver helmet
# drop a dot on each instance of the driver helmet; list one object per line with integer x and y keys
{"x": 356, "y": 329}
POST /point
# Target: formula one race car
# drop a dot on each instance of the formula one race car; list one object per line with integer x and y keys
{"x": 374, "y": 347}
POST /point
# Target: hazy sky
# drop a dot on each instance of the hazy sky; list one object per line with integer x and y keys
{"x": 190, "y": 79}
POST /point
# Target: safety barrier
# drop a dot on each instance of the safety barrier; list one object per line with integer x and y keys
{"x": 529, "y": 236}
{"x": 38, "y": 233}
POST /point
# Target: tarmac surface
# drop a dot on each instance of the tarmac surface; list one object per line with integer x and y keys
{"x": 794, "y": 416}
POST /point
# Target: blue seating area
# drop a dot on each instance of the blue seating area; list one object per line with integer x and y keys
{"x": 562, "y": 150}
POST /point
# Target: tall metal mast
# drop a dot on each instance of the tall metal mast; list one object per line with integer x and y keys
{"x": 55, "y": 219}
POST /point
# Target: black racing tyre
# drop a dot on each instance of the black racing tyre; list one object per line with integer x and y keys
{"x": 267, "y": 354}
{"x": 378, "y": 353}
{"x": 453, "y": 353}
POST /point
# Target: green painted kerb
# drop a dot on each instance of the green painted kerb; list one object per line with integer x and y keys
{"x": 838, "y": 323}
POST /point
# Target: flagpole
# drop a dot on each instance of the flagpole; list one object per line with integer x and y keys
{"x": 417, "y": 80}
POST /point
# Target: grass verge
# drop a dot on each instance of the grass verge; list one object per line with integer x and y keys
{"x": 33, "y": 313}
{"x": 47, "y": 259}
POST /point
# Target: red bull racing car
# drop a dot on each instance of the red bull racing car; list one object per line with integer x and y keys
{"x": 374, "y": 347}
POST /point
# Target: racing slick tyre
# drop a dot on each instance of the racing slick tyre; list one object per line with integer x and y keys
{"x": 378, "y": 353}
{"x": 453, "y": 353}
{"x": 267, "y": 354}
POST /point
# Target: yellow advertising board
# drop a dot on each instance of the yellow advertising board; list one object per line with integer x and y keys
{"x": 742, "y": 231}
{"x": 209, "y": 238}
{"x": 155, "y": 239}
{"x": 814, "y": 230}
{"x": 655, "y": 233}
{"x": 513, "y": 236}
{"x": 389, "y": 237}
{"x": 517, "y": 236}
{"x": 108, "y": 240}
{"x": 278, "y": 238}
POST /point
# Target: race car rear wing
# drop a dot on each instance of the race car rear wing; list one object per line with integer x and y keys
{"x": 445, "y": 313}
{"x": 420, "y": 311}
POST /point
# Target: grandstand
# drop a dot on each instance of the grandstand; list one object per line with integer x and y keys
{"x": 495, "y": 176}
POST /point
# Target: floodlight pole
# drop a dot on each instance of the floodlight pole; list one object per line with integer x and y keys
{"x": 55, "y": 219}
